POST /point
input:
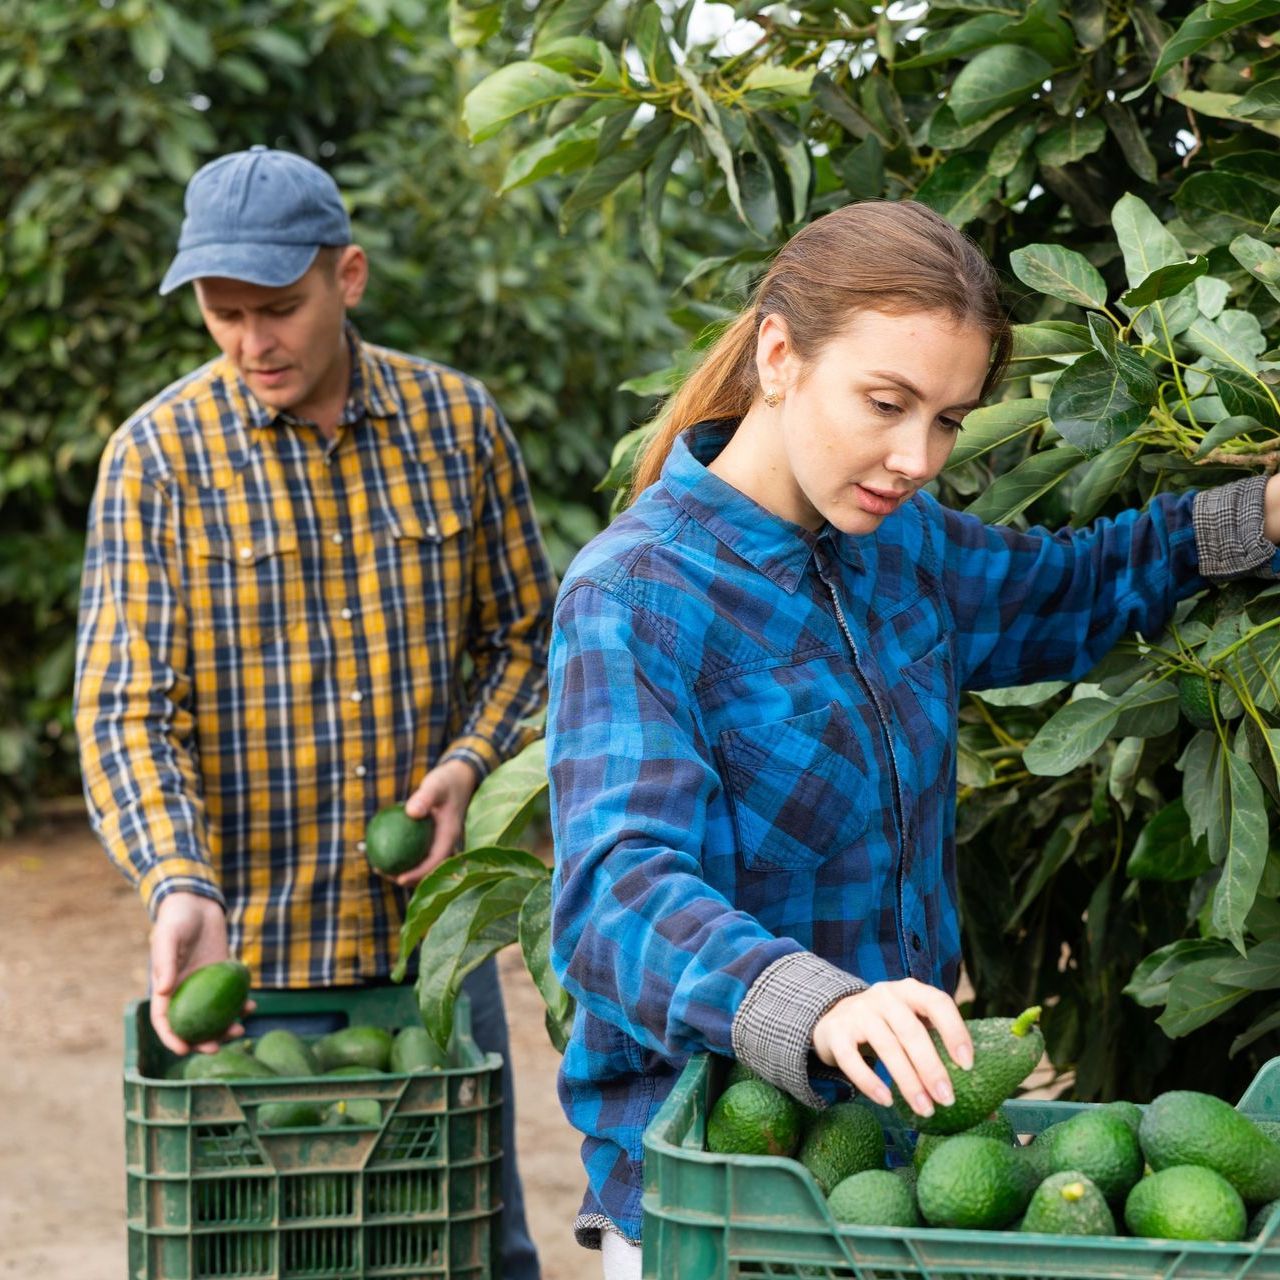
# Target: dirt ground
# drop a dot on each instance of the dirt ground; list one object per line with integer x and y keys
{"x": 72, "y": 954}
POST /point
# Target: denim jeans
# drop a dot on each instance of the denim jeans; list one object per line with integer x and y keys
{"x": 489, "y": 1030}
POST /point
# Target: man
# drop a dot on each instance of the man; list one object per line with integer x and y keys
{"x": 313, "y": 587}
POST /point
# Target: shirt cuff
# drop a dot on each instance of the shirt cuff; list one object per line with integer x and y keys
{"x": 772, "y": 1031}
{"x": 1228, "y": 522}
{"x": 478, "y": 753}
{"x": 155, "y": 890}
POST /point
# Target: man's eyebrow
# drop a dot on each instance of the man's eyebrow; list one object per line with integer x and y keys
{"x": 911, "y": 389}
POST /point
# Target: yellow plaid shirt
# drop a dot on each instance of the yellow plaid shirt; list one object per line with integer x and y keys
{"x": 279, "y": 634}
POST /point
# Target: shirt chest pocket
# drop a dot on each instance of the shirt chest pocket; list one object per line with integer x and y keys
{"x": 929, "y": 713}
{"x": 250, "y": 592}
{"x": 798, "y": 789}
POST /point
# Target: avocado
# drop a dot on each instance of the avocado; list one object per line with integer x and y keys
{"x": 1188, "y": 1128}
{"x": 753, "y": 1118}
{"x": 358, "y": 1046}
{"x": 394, "y": 842}
{"x": 994, "y": 1126}
{"x": 1129, "y": 1112}
{"x": 286, "y": 1054}
{"x": 413, "y": 1050}
{"x": 841, "y": 1140}
{"x": 1099, "y": 1144}
{"x": 353, "y": 1069}
{"x": 874, "y": 1198}
{"x": 1185, "y": 1202}
{"x": 1197, "y": 699}
{"x": 360, "y": 1111}
{"x": 738, "y": 1072}
{"x": 1069, "y": 1204}
{"x": 288, "y": 1115}
{"x": 1005, "y": 1052}
{"x": 972, "y": 1182}
{"x": 226, "y": 1064}
{"x": 208, "y": 1000}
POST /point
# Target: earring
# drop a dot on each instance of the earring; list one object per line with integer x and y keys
{"x": 773, "y": 397}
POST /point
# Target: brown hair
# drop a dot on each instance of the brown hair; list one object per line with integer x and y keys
{"x": 895, "y": 256}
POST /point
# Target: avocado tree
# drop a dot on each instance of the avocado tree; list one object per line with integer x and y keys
{"x": 1119, "y": 162}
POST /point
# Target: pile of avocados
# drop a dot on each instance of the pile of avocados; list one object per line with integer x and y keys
{"x": 1188, "y": 1166}
{"x": 209, "y": 1001}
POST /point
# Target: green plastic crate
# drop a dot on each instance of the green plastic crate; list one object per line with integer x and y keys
{"x": 210, "y": 1195}
{"x": 717, "y": 1217}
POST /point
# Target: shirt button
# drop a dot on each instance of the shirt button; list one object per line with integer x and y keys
{"x": 246, "y": 553}
{"x": 357, "y": 696}
{"x": 336, "y": 539}
{"x": 360, "y": 771}
{"x": 360, "y": 846}
{"x": 916, "y": 944}
{"x": 432, "y": 531}
{"x": 346, "y": 615}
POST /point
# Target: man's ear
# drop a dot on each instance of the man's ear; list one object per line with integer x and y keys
{"x": 352, "y": 274}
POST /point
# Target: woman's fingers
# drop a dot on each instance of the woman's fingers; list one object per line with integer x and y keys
{"x": 941, "y": 1011}
{"x": 919, "y": 1048}
{"x": 888, "y": 1046}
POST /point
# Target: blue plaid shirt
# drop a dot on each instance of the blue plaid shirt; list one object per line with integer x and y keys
{"x": 752, "y": 741}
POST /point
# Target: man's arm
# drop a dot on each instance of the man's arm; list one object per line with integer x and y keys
{"x": 510, "y": 618}
{"x": 135, "y": 724}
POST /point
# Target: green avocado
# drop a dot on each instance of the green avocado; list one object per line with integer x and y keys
{"x": 359, "y": 1046}
{"x": 208, "y": 1000}
{"x": 1185, "y": 1202}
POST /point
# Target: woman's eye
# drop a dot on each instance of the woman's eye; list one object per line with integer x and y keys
{"x": 952, "y": 424}
{"x": 885, "y": 406}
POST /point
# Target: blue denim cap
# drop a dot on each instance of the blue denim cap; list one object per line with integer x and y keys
{"x": 259, "y": 216}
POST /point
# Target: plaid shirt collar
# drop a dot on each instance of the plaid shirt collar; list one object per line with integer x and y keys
{"x": 778, "y": 548}
{"x": 371, "y": 397}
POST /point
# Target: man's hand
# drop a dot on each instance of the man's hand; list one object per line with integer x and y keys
{"x": 189, "y": 931}
{"x": 443, "y": 795}
{"x": 890, "y": 1018}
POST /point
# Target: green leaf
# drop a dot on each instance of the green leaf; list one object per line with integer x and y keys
{"x": 563, "y": 152}
{"x": 1149, "y": 984}
{"x": 1016, "y": 490}
{"x": 610, "y": 171}
{"x": 535, "y": 942}
{"x": 1195, "y": 998}
{"x": 1040, "y": 347}
{"x": 1101, "y": 479}
{"x": 954, "y": 41}
{"x": 504, "y": 800}
{"x": 786, "y": 82}
{"x": 959, "y": 189}
{"x": 473, "y": 926}
{"x": 1131, "y": 139}
{"x": 1148, "y": 710}
{"x": 1200, "y": 28}
{"x": 1200, "y": 764}
{"x": 1246, "y": 397}
{"x": 1260, "y": 260}
{"x": 513, "y": 90}
{"x": 1061, "y": 273}
{"x": 1139, "y": 379}
{"x": 277, "y": 45}
{"x": 1011, "y": 149}
{"x": 1147, "y": 244}
{"x": 972, "y": 769}
{"x": 999, "y": 76}
{"x": 994, "y": 425}
{"x": 1091, "y": 407}
{"x": 1265, "y": 1023}
{"x": 1070, "y": 736}
{"x": 1164, "y": 849}
{"x": 1057, "y": 852}
{"x": 1262, "y": 102}
{"x": 473, "y": 25}
{"x": 1258, "y": 969}
{"x": 794, "y": 153}
{"x": 829, "y": 97}
{"x": 708, "y": 121}
{"x": 1022, "y": 695}
{"x": 1227, "y": 429}
{"x": 1220, "y": 206}
{"x": 149, "y": 42}
{"x": 1079, "y": 137}
{"x": 1165, "y": 281}
{"x": 1240, "y": 823}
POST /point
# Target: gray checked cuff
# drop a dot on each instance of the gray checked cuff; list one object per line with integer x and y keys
{"x": 1228, "y": 522}
{"x": 772, "y": 1031}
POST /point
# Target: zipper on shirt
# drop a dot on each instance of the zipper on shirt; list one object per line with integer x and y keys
{"x": 885, "y": 724}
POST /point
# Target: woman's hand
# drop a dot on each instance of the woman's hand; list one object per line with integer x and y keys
{"x": 890, "y": 1019}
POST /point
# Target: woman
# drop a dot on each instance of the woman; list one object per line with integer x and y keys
{"x": 754, "y": 683}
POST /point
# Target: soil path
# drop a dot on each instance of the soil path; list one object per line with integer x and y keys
{"x": 72, "y": 954}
